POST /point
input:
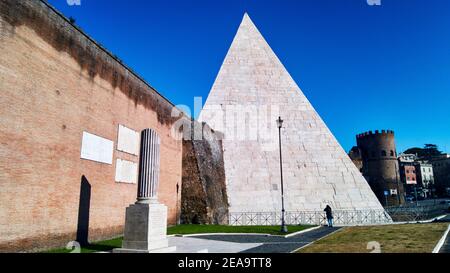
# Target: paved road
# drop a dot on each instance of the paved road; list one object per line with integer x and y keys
{"x": 273, "y": 244}
{"x": 446, "y": 247}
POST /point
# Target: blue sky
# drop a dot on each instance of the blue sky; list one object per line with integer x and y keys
{"x": 362, "y": 67}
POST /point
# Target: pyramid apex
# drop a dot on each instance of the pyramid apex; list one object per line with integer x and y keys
{"x": 247, "y": 22}
{"x": 246, "y": 17}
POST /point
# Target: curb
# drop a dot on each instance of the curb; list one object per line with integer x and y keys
{"x": 423, "y": 221}
{"x": 250, "y": 234}
{"x": 223, "y": 233}
{"x": 395, "y": 223}
{"x": 440, "y": 217}
{"x": 441, "y": 242}
{"x": 302, "y": 231}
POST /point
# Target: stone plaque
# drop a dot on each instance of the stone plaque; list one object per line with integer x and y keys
{"x": 96, "y": 148}
{"x": 126, "y": 171}
{"x": 128, "y": 141}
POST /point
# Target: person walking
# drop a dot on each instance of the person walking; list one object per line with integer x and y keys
{"x": 329, "y": 213}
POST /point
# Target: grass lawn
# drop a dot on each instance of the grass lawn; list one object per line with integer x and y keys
{"x": 188, "y": 229}
{"x": 94, "y": 247}
{"x": 408, "y": 238}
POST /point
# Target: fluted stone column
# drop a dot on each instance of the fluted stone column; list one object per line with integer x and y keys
{"x": 149, "y": 167}
{"x": 146, "y": 220}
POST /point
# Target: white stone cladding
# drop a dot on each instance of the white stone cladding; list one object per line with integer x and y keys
{"x": 317, "y": 171}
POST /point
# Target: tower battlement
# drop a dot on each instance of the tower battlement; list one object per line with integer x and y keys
{"x": 376, "y": 133}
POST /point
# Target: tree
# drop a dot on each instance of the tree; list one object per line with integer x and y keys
{"x": 428, "y": 151}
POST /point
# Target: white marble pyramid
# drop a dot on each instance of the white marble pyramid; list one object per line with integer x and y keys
{"x": 252, "y": 89}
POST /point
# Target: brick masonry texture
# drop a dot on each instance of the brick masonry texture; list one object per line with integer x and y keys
{"x": 204, "y": 194}
{"x": 317, "y": 171}
{"x": 56, "y": 83}
{"x": 380, "y": 165}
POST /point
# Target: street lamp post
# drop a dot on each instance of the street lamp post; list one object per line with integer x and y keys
{"x": 283, "y": 223}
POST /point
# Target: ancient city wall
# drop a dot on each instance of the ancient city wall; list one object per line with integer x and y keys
{"x": 55, "y": 84}
{"x": 379, "y": 157}
{"x": 204, "y": 195}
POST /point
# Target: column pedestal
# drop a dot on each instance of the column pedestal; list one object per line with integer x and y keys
{"x": 145, "y": 229}
{"x": 146, "y": 220}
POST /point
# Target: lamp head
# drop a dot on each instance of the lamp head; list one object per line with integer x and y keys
{"x": 279, "y": 122}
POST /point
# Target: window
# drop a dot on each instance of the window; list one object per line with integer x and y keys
{"x": 392, "y": 153}
{"x": 383, "y": 153}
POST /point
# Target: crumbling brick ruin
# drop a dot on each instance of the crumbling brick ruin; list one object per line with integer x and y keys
{"x": 204, "y": 195}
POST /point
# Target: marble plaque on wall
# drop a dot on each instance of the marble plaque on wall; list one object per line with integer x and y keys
{"x": 126, "y": 171}
{"x": 97, "y": 148}
{"x": 128, "y": 140}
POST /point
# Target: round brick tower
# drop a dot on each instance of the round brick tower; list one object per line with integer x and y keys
{"x": 380, "y": 166}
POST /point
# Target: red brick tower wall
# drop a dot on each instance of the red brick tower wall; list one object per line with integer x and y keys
{"x": 380, "y": 164}
{"x": 55, "y": 83}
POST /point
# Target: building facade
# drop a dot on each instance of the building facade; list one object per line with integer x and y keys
{"x": 408, "y": 178}
{"x": 425, "y": 178}
{"x": 408, "y": 173}
{"x": 407, "y": 158}
{"x": 441, "y": 169}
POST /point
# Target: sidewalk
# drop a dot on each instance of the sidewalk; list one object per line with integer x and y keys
{"x": 262, "y": 243}
{"x": 199, "y": 245}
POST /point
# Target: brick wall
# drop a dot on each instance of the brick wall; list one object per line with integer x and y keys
{"x": 55, "y": 83}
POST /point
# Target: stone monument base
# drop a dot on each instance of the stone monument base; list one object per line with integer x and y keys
{"x": 159, "y": 250}
{"x": 145, "y": 229}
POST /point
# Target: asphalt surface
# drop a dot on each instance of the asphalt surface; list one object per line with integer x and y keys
{"x": 446, "y": 247}
{"x": 274, "y": 244}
